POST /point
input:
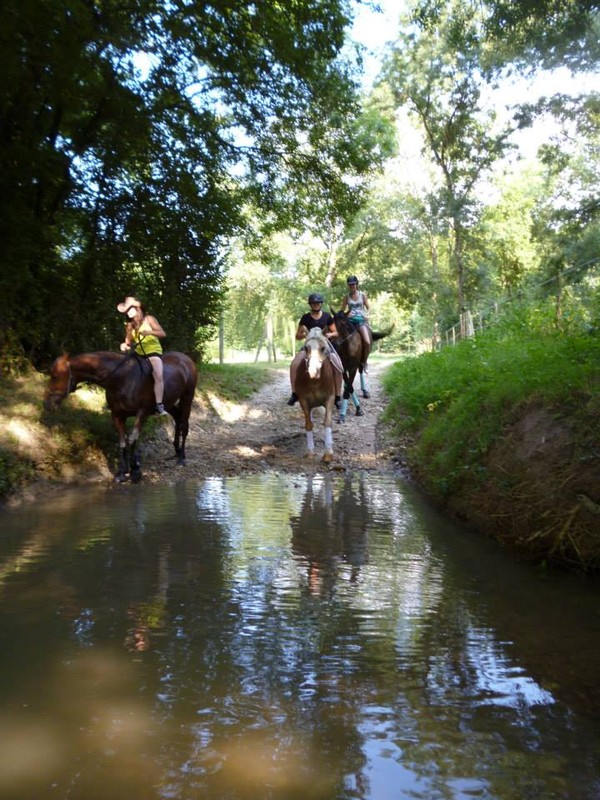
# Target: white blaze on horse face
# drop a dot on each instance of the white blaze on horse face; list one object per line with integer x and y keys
{"x": 314, "y": 358}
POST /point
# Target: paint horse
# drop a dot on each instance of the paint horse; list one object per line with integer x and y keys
{"x": 354, "y": 353}
{"x": 129, "y": 386}
{"x": 315, "y": 386}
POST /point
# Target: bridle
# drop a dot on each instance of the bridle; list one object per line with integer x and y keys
{"x": 321, "y": 348}
{"x": 71, "y": 386}
{"x": 352, "y": 330}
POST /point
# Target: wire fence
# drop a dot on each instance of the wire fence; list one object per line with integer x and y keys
{"x": 470, "y": 322}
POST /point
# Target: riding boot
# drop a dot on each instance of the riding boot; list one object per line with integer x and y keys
{"x": 160, "y": 410}
{"x": 293, "y": 399}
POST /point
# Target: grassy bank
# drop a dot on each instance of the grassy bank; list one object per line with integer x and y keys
{"x": 507, "y": 432}
{"x": 80, "y": 438}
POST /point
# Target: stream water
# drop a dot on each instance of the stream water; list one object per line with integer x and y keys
{"x": 284, "y": 637}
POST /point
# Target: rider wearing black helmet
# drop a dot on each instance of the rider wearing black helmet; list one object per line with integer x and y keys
{"x": 316, "y": 318}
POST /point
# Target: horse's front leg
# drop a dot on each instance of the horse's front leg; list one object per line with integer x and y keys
{"x": 348, "y": 393}
{"x": 363, "y": 369}
{"x": 308, "y": 427}
{"x": 123, "y": 465}
{"x": 135, "y": 466}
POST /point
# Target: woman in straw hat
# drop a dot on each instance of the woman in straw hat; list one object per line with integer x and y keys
{"x": 143, "y": 333}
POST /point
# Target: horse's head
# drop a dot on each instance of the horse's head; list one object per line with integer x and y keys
{"x": 60, "y": 384}
{"x": 316, "y": 348}
{"x": 343, "y": 323}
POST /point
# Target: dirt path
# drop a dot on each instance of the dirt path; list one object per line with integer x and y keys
{"x": 266, "y": 434}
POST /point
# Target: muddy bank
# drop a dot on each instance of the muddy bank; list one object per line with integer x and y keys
{"x": 539, "y": 491}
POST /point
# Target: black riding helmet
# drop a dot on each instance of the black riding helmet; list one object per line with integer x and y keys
{"x": 315, "y": 297}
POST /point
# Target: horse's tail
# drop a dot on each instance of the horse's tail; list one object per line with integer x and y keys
{"x": 382, "y": 334}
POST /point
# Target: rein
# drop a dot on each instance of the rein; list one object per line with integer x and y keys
{"x": 121, "y": 363}
{"x": 342, "y": 339}
{"x": 72, "y": 385}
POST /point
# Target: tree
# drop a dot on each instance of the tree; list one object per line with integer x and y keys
{"x": 124, "y": 174}
{"x": 437, "y": 73}
{"x": 547, "y": 33}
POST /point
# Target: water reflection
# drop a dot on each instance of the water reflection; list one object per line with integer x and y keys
{"x": 285, "y": 637}
{"x": 330, "y": 531}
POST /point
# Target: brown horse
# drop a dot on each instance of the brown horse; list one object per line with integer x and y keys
{"x": 354, "y": 353}
{"x": 129, "y": 386}
{"x": 315, "y": 386}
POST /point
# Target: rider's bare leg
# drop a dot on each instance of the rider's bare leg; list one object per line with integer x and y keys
{"x": 157, "y": 371}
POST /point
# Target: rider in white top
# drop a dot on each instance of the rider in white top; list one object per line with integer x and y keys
{"x": 356, "y": 304}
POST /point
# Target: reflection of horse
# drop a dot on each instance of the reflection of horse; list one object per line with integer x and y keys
{"x": 354, "y": 352}
{"x": 329, "y": 533}
{"x": 129, "y": 393}
{"x": 316, "y": 540}
{"x": 315, "y": 386}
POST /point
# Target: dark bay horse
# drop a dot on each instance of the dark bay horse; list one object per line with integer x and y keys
{"x": 315, "y": 386}
{"x": 129, "y": 386}
{"x": 354, "y": 353}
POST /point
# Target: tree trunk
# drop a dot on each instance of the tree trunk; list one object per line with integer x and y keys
{"x": 270, "y": 342}
{"x": 221, "y": 338}
{"x": 259, "y": 348}
{"x": 459, "y": 265}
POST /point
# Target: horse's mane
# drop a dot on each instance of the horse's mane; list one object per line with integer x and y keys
{"x": 316, "y": 333}
{"x": 340, "y": 316}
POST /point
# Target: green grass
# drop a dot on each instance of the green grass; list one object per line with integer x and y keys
{"x": 460, "y": 399}
{"x": 234, "y": 382}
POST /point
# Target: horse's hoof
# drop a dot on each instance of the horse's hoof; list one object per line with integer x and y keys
{"x": 181, "y": 462}
{"x": 121, "y": 478}
{"x": 309, "y": 454}
{"x": 136, "y": 477}
{"x": 327, "y": 458}
{"x": 367, "y": 395}
{"x": 360, "y": 412}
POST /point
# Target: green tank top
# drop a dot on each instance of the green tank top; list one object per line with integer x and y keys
{"x": 146, "y": 344}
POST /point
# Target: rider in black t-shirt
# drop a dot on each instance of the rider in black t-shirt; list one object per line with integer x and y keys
{"x": 316, "y": 318}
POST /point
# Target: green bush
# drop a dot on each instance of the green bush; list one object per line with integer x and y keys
{"x": 460, "y": 399}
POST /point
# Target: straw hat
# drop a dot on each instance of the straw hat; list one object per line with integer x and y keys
{"x": 127, "y": 303}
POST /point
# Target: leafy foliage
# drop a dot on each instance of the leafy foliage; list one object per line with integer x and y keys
{"x": 134, "y": 135}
